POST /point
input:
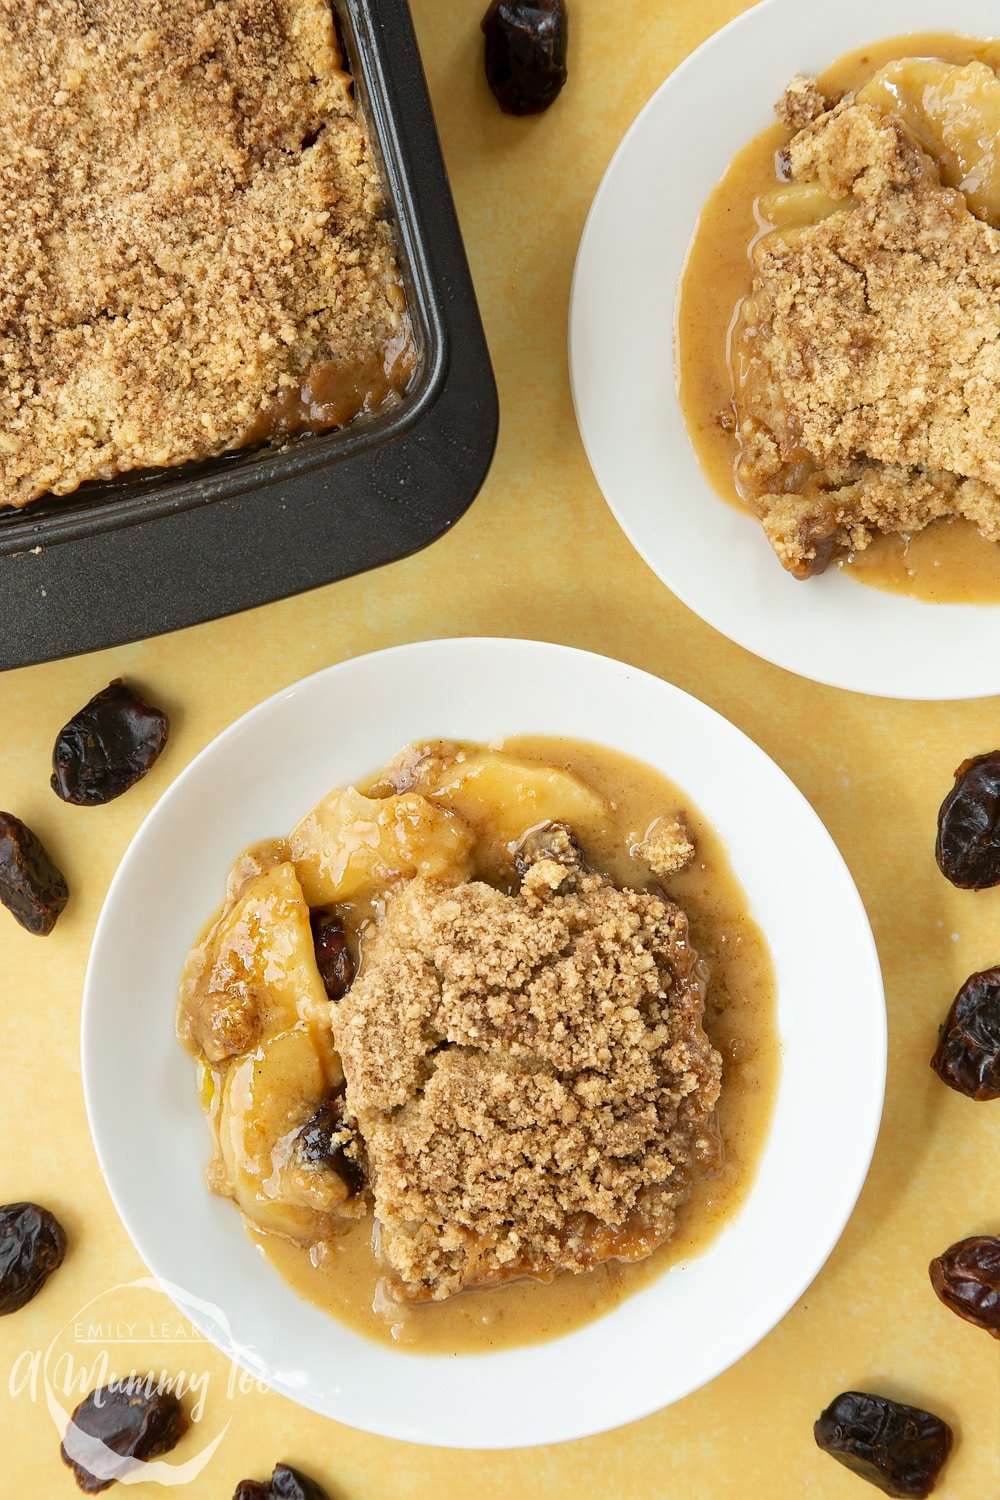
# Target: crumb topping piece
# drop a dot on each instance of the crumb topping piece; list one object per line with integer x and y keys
{"x": 668, "y": 846}
{"x": 529, "y": 1075}
{"x": 191, "y": 222}
{"x": 801, "y": 103}
{"x": 870, "y": 347}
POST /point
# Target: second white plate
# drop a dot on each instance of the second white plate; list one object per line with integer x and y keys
{"x": 631, "y": 257}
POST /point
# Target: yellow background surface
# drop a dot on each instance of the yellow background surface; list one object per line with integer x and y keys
{"x": 540, "y": 555}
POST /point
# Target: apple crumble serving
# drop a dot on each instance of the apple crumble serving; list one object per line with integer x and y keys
{"x": 436, "y": 1012}
{"x": 853, "y": 251}
{"x": 195, "y": 256}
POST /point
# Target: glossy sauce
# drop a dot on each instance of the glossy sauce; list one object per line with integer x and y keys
{"x": 949, "y": 562}
{"x": 332, "y": 393}
{"x": 342, "y": 1275}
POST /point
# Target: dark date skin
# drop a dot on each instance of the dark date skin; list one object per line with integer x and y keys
{"x": 967, "y": 1280}
{"x": 134, "y": 1420}
{"x": 285, "y": 1483}
{"x": 32, "y": 887}
{"x": 323, "y": 1140}
{"x": 525, "y": 54}
{"x": 968, "y": 837}
{"x": 107, "y": 747}
{"x": 32, "y": 1246}
{"x": 967, "y": 1058}
{"x": 899, "y": 1449}
{"x": 333, "y": 956}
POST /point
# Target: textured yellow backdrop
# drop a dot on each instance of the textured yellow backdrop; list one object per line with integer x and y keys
{"x": 540, "y": 555}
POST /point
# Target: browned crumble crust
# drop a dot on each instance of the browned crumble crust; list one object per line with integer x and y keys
{"x": 190, "y": 220}
{"x": 873, "y": 339}
{"x": 801, "y": 103}
{"x": 530, "y": 1077}
{"x": 668, "y": 846}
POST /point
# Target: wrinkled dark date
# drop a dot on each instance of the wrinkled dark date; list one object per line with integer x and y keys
{"x": 900, "y": 1449}
{"x": 967, "y": 1279}
{"x": 284, "y": 1484}
{"x": 968, "y": 837}
{"x": 32, "y": 1246}
{"x": 32, "y": 887}
{"x": 107, "y": 747}
{"x": 336, "y": 966}
{"x": 118, "y": 1427}
{"x": 525, "y": 53}
{"x": 323, "y": 1140}
{"x": 968, "y": 1053}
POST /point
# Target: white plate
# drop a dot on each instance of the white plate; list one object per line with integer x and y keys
{"x": 256, "y": 780}
{"x": 628, "y": 270}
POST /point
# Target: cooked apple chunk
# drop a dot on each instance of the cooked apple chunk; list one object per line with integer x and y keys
{"x": 349, "y": 845}
{"x": 268, "y": 1099}
{"x": 255, "y": 974}
{"x": 504, "y": 798}
{"x": 953, "y": 113}
{"x": 254, "y": 1010}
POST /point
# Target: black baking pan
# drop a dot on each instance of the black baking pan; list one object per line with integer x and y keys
{"x": 144, "y": 554}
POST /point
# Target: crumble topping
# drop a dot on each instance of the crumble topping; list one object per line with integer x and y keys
{"x": 191, "y": 222}
{"x": 871, "y": 342}
{"x": 550, "y": 843}
{"x": 801, "y": 103}
{"x": 529, "y": 1075}
{"x": 668, "y": 846}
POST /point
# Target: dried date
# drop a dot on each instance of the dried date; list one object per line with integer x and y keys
{"x": 899, "y": 1449}
{"x": 967, "y": 1058}
{"x": 324, "y": 1139}
{"x": 118, "y": 1428}
{"x": 525, "y": 53}
{"x": 32, "y": 1246}
{"x": 107, "y": 747}
{"x": 285, "y": 1483}
{"x": 333, "y": 956}
{"x": 32, "y": 887}
{"x": 968, "y": 837}
{"x": 967, "y": 1279}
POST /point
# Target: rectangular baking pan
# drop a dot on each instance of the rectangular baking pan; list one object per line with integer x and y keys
{"x": 141, "y": 555}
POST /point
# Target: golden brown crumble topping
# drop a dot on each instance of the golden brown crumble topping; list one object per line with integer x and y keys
{"x": 870, "y": 347}
{"x": 801, "y": 103}
{"x": 668, "y": 846}
{"x": 191, "y": 223}
{"x": 529, "y": 1074}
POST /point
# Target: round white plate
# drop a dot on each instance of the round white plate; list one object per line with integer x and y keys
{"x": 628, "y": 270}
{"x": 256, "y": 780}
